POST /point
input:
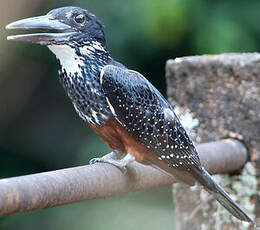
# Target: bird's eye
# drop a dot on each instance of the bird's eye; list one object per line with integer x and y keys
{"x": 80, "y": 18}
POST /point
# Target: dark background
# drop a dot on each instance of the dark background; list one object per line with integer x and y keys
{"x": 39, "y": 129}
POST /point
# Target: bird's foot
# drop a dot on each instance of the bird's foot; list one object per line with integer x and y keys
{"x": 114, "y": 159}
{"x": 115, "y": 155}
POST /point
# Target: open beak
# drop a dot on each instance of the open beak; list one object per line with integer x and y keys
{"x": 54, "y": 30}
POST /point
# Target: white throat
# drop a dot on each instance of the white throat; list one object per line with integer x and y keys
{"x": 68, "y": 58}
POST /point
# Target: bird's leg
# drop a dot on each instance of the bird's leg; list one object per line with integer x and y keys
{"x": 114, "y": 155}
{"x": 114, "y": 159}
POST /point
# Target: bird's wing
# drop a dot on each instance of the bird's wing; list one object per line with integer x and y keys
{"x": 141, "y": 109}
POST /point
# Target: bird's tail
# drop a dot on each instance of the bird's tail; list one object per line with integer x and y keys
{"x": 220, "y": 195}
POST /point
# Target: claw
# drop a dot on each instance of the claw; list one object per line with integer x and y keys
{"x": 95, "y": 160}
{"x": 115, "y": 155}
{"x": 118, "y": 164}
{"x": 121, "y": 164}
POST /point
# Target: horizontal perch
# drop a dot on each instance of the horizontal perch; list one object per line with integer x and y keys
{"x": 42, "y": 190}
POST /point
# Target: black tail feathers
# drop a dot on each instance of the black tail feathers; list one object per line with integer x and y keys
{"x": 220, "y": 195}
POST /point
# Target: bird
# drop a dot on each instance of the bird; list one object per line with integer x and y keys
{"x": 120, "y": 105}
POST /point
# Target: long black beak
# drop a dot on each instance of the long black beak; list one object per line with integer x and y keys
{"x": 56, "y": 31}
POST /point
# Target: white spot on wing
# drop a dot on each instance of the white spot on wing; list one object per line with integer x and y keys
{"x": 111, "y": 107}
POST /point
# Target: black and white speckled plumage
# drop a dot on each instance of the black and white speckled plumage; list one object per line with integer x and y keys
{"x": 145, "y": 113}
{"x": 138, "y": 106}
{"x": 80, "y": 62}
{"x": 101, "y": 88}
{"x": 84, "y": 88}
{"x": 81, "y": 82}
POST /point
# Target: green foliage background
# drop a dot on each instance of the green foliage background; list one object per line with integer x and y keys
{"x": 39, "y": 130}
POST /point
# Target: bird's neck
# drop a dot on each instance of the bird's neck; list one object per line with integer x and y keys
{"x": 68, "y": 59}
{"x": 79, "y": 71}
{"x": 73, "y": 58}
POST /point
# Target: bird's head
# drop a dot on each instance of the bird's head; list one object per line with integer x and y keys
{"x": 73, "y": 34}
{"x": 61, "y": 26}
